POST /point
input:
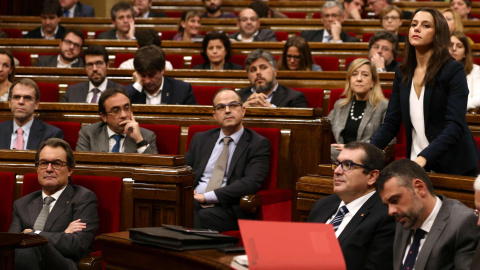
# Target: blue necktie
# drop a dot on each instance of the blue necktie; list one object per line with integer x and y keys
{"x": 66, "y": 13}
{"x": 337, "y": 220}
{"x": 413, "y": 251}
{"x": 116, "y": 147}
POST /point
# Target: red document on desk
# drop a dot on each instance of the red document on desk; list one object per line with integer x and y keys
{"x": 291, "y": 245}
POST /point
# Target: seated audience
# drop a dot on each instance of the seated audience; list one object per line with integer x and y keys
{"x": 378, "y": 5}
{"x": 189, "y": 27}
{"x": 118, "y": 132}
{"x": 213, "y": 10}
{"x": 249, "y": 28}
{"x": 460, "y": 49}
{"x": 432, "y": 232}
{"x": 360, "y": 114}
{"x": 217, "y": 193}
{"x": 24, "y": 132}
{"x": 70, "y": 49}
{"x": 123, "y": 19}
{"x": 362, "y": 225}
{"x": 454, "y": 20}
{"x": 66, "y": 215}
{"x": 50, "y": 16}
{"x": 391, "y": 19}
{"x": 7, "y": 73}
{"x": 143, "y": 9}
{"x": 96, "y": 66}
{"x": 151, "y": 87}
{"x": 263, "y": 11}
{"x": 353, "y": 9}
{"x": 264, "y": 90}
{"x": 144, "y": 38}
{"x": 382, "y": 50}
{"x": 216, "y": 52}
{"x": 73, "y": 8}
{"x": 463, "y": 7}
{"x": 297, "y": 56}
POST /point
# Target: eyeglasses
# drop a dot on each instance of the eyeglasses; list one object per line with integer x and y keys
{"x": 333, "y": 16}
{"x": 70, "y": 43}
{"x": 393, "y": 18}
{"x": 118, "y": 110}
{"x": 383, "y": 48}
{"x": 98, "y": 64}
{"x": 234, "y": 105}
{"x": 25, "y": 98}
{"x": 295, "y": 57}
{"x": 56, "y": 164}
{"x": 346, "y": 165}
{"x": 244, "y": 19}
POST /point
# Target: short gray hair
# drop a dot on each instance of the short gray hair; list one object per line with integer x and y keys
{"x": 260, "y": 53}
{"x": 331, "y": 4}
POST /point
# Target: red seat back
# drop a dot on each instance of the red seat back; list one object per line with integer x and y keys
{"x": 168, "y": 137}
{"x": 70, "y": 131}
{"x": 295, "y": 15}
{"x": 474, "y": 36}
{"x": 239, "y": 59}
{"x": 173, "y": 14}
{"x": 168, "y": 35}
{"x": 98, "y": 32}
{"x": 24, "y": 58}
{"x": 281, "y": 36}
{"x": 48, "y": 91}
{"x": 13, "y": 33}
{"x": 176, "y": 60}
{"x": 7, "y": 182}
{"x": 122, "y": 57}
{"x": 350, "y": 59}
{"x": 204, "y": 93}
{"x": 335, "y": 94}
{"x": 314, "y": 96}
{"x": 197, "y": 60}
{"x": 366, "y": 37}
{"x": 328, "y": 63}
{"x": 387, "y": 93}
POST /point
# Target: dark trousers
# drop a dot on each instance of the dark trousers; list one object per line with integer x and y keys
{"x": 216, "y": 218}
{"x": 42, "y": 257}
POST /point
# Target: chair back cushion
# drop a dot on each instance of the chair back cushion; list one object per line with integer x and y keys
{"x": 204, "y": 93}
{"x": 314, "y": 96}
{"x": 335, "y": 94}
{"x": 48, "y": 91}
{"x": 70, "y": 131}
{"x": 328, "y": 63}
{"x": 7, "y": 182}
{"x": 168, "y": 137}
{"x": 122, "y": 57}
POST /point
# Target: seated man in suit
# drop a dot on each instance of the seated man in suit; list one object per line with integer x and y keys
{"x": 123, "y": 19}
{"x": 70, "y": 49}
{"x": 118, "y": 131}
{"x": 332, "y": 18}
{"x": 96, "y": 65}
{"x": 73, "y": 8}
{"x": 24, "y": 132}
{"x": 362, "y": 225}
{"x": 228, "y": 162}
{"x": 265, "y": 91}
{"x": 213, "y": 10}
{"x": 150, "y": 86}
{"x": 476, "y": 257}
{"x": 382, "y": 50}
{"x": 432, "y": 232}
{"x": 249, "y": 28}
{"x": 143, "y": 9}
{"x": 68, "y": 219}
{"x": 50, "y": 28}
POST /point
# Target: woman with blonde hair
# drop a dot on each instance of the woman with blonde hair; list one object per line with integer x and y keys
{"x": 454, "y": 20}
{"x": 189, "y": 27}
{"x": 361, "y": 112}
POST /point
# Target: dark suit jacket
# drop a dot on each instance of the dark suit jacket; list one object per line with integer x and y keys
{"x": 174, "y": 92}
{"x": 74, "y": 203}
{"x": 83, "y": 10}
{"x": 452, "y": 148}
{"x": 317, "y": 36}
{"x": 367, "y": 240}
{"x": 450, "y": 244}
{"x": 40, "y": 132}
{"x": 283, "y": 97}
{"x": 51, "y": 61}
{"x": 263, "y": 35}
{"x": 156, "y": 14}
{"x": 476, "y": 259}
{"x": 94, "y": 137}
{"x": 37, "y": 33}
{"x": 110, "y": 34}
{"x": 78, "y": 92}
{"x": 226, "y": 66}
{"x": 248, "y": 167}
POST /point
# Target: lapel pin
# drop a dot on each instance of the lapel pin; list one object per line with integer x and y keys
{"x": 68, "y": 201}
{"x": 362, "y": 214}
{"x": 168, "y": 94}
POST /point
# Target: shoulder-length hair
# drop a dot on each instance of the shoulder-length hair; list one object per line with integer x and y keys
{"x": 467, "y": 61}
{"x": 186, "y": 15}
{"x": 306, "y": 60}
{"x": 375, "y": 95}
{"x": 440, "y": 45}
{"x": 11, "y": 76}
{"x": 212, "y": 36}
{"x": 457, "y": 18}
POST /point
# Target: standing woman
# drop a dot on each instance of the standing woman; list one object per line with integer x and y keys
{"x": 429, "y": 96}
{"x": 7, "y": 73}
{"x": 189, "y": 27}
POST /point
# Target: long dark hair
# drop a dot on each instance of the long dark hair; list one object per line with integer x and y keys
{"x": 440, "y": 44}
{"x": 467, "y": 61}
{"x": 306, "y": 60}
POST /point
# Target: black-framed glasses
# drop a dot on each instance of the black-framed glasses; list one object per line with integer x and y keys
{"x": 346, "y": 165}
{"x": 98, "y": 64}
{"x": 295, "y": 57}
{"x": 118, "y": 110}
{"x": 56, "y": 164}
{"x": 70, "y": 43}
{"x": 234, "y": 105}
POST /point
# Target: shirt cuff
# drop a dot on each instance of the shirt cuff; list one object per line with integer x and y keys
{"x": 210, "y": 197}
{"x": 37, "y": 232}
{"x": 272, "y": 105}
{"x": 142, "y": 149}
{"x": 137, "y": 87}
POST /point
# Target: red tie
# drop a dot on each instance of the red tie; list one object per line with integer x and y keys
{"x": 19, "y": 141}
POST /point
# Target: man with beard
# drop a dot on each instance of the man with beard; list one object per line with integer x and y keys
{"x": 150, "y": 86}
{"x": 123, "y": 18}
{"x": 50, "y": 18}
{"x": 96, "y": 65}
{"x": 265, "y": 91}
{"x": 70, "y": 50}
{"x": 249, "y": 24}
{"x": 213, "y": 10}
{"x": 432, "y": 232}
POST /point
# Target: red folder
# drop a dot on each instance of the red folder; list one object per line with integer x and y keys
{"x": 291, "y": 245}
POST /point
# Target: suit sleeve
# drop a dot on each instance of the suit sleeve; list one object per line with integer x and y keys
{"x": 270, "y": 36}
{"x": 66, "y": 96}
{"x": 16, "y": 225}
{"x": 58, "y": 133}
{"x": 190, "y": 98}
{"x": 467, "y": 235}
{"x": 83, "y": 143}
{"x": 300, "y": 101}
{"x": 380, "y": 251}
{"x": 152, "y": 141}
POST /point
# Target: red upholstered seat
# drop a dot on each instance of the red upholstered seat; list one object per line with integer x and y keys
{"x": 328, "y": 63}
{"x": 13, "y": 33}
{"x": 70, "y": 131}
{"x": 196, "y": 60}
{"x": 366, "y": 37}
{"x": 24, "y": 58}
{"x": 295, "y": 15}
{"x": 48, "y": 91}
{"x": 176, "y": 60}
{"x": 335, "y": 94}
{"x": 98, "y": 32}
{"x": 122, "y": 57}
{"x": 7, "y": 182}
{"x": 173, "y": 14}
{"x": 236, "y": 59}
{"x": 168, "y": 35}
{"x": 281, "y": 36}
{"x": 204, "y": 93}
{"x": 350, "y": 59}
{"x": 314, "y": 96}
{"x": 168, "y": 137}
{"x": 474, "y": 36}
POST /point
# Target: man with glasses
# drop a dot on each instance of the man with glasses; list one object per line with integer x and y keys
{"x": 65, "y": 214}
{"x": 96, "y": 65}
{"x": 382, "y": 50}
{"x": 24, "y": 132}
{"x": 249, "y": 26}
{"x": 70, "y": 49}
{"x": 332, "y": 18}
{"x": 432, "y": 232}
{"x": 118, "y": 132}
{"x": 50, "y": 17}
{"x": 360, "y": 220}
{"x": 229, "y": 162}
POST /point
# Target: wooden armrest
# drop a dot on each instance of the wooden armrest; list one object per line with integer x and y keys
{"x": 250, "y": 203}
{"x": 90, "y": 262}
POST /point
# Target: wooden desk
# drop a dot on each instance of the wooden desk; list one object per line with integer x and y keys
{"x": 120, "y": 253}
{"x": 10, "y": 241}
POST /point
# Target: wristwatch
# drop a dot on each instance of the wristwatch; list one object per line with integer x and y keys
{"x": 142, "y": 143}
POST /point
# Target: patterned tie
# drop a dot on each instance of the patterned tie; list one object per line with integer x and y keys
{"x": 413, "y": 251}
{"x": 95, "y": 95}
{"x": 19, "y": 141}
{"x": 42, "y": 217}
{"x": 116, "y": 147}
{"x": 337, "y": 220}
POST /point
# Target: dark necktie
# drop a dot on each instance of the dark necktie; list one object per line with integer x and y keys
{"x": 116, "y": 147}
{"x": 337, "y": 220}
{"x": 95, "y": 95}
{"x": 42, "y": 217}
{"x": 413, "y": 251}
